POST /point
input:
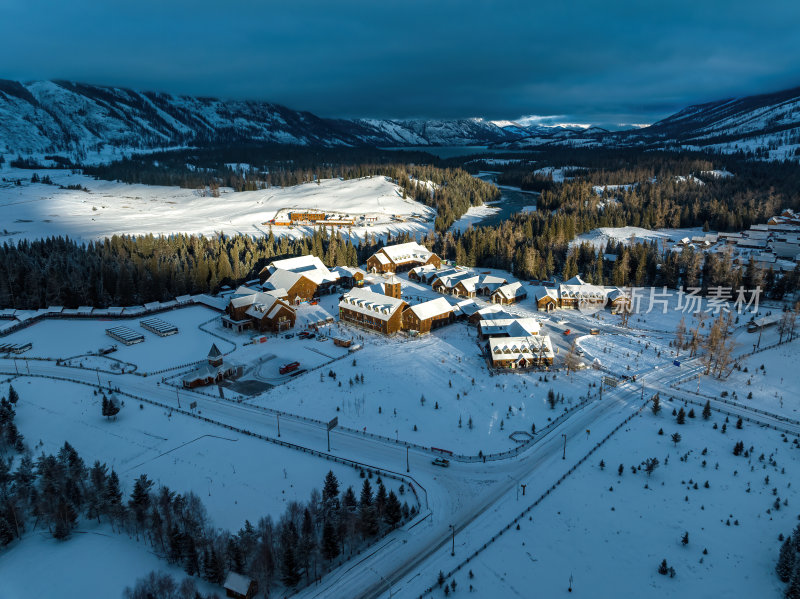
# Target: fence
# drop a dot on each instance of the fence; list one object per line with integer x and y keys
{"x": 346, "y": 461}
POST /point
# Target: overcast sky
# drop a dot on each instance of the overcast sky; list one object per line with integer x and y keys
{"x": 580, "y": 61}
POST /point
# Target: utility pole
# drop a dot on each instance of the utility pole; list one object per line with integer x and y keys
{"x": 564, "y": 456}
{"x": 176, "y": 395}
{"x": 408, "y": 466}
{"x": 278, "y": 416}
{"x": 453, "y": 551}
{"x": 329, "y": 440}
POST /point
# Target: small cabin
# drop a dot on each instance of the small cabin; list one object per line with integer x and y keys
{"x": 239, "y": 586}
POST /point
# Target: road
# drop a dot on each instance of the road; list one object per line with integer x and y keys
{"x": 473, "y": 500}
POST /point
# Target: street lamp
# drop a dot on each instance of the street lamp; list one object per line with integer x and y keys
{"x": 564, "y": 456}
{"x": 453, "y": 551}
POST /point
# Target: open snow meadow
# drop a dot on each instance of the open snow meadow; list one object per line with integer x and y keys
{"x": 100, "y": 209}
{"x": 608, "y": 526}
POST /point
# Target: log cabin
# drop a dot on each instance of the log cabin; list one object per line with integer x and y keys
{"x": 401, "y": 257}
{"x": 424, "y": 317}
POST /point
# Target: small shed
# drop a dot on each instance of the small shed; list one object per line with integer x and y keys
{"x": 239, "y": 586}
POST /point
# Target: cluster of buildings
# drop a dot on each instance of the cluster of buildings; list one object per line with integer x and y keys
{"x": 575, "y": 293}
{"x": 390, "y": 314}
{"x": 775, "y": 244}
{"x": 467, "y": 284}
{"x": 512, "y": 342}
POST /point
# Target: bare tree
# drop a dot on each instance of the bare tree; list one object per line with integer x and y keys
{"x": 571, "y": 360}
{"x": 680, "y": 335}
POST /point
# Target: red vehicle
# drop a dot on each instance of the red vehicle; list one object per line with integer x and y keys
{"x": 567, "y": 332}
{"x": 290, "y": 367}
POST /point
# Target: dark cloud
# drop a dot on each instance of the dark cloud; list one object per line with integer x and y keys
{"x": 589, "y": 61}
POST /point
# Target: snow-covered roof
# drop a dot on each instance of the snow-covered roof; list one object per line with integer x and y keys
{"x": 576, "y": 288}
{"x": 405, "y": 252}
{"x": 432, "y": 308}
{"x": 467, "y": 306}
{"x": 510, "y": 290}
{"x": 493, "y": 312}
{"x": 369, "y": 303}
{"x": 237, "y": 583}
{"x": 541, "y": 291}
{"x": 514, "y": 348}
{"x": 510, "y": 327}
{"x": 310, "y": 267}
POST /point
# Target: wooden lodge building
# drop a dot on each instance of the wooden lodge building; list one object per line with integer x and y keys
{"x": 258, "y": 310}
{"x": 401, "y": 257}
{"x": 301, "y": 278}
{"x": 546, "y": 298}
{"x": 520, "y": 352}
{"x": 509, "y": 293}
{"x": 424, "y": 317}
{"x": 374, "y": 311}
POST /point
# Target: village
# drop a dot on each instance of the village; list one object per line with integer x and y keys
{"x": 435, "y": 367}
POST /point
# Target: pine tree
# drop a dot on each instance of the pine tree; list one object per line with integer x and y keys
{"x": 290, "y": 574}
{"x": 681, "y": 418}
{"x": 330, "y": 541}
{"x": 656, "y": 404}
{"x": 366, "y": 511}
{"x": 393, "y": 513}
{"x": 707, "y": 410}
{"x": 786, "y": 560}
{"x": 13, "y": 396}
{"x": 793, "y": 590}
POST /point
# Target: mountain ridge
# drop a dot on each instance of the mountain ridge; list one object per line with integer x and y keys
{"x": 84, "y": 120}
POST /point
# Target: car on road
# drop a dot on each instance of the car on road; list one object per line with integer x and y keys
{"x": 579, "y": 351}
{"x": 562, "y": 322}
{"x": 289, "y": 335}
{"x": 594, "y": 331}
{"x": 567, "y": 332}
{"x": 441, "y": 462}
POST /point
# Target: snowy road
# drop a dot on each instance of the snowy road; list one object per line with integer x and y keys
{"x": 462, "y": 507}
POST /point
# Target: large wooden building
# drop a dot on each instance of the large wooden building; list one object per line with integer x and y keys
{"x": 424, "y": 317}
{"x": 301, "y": 279}
{"x": 374, "y": 311}
{"x": 520, "y": 352}
{"x": 401, "y": 257}
{"x": 258, "y": 310}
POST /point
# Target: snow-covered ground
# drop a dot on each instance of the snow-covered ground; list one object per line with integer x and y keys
{"x": 236, "y": 476}
{"x": 71, "y": 338}
{"x": 474, "y": 215}
{"x": 774, "y": 388}
{"x": 445, "y": 368}
{"x": 609, "y": 532}
{"x": 599, "y": 237}
{"x": 94, "y": 563}
{"x": 34, "y": 210}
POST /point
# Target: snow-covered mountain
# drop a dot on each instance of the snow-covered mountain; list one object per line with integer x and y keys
{"x": 80, "y": 121}
{"x": 766, "y": 126}
{"x": 65, "y": 117}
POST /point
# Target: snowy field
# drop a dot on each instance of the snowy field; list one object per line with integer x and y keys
{"x": 775, "y": 388}
{"x": 73, "y": 338}
{"x": 600, "y": 237}
{"x": 34, "y": 210}
{"x": 112, "y": 562}
{"x": 446, "y": 368}
{"x": 610, "y": 531}
{"x": 237, "y": 477}
{"x": 474, "y": 215}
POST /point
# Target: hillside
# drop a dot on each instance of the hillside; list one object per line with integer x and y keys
{"x": 89, "y": 122}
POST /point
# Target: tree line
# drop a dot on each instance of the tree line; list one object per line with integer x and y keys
{"x": 55, "y": 492}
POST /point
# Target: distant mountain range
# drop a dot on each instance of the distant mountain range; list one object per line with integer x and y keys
{"x": 88, "y": 121}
